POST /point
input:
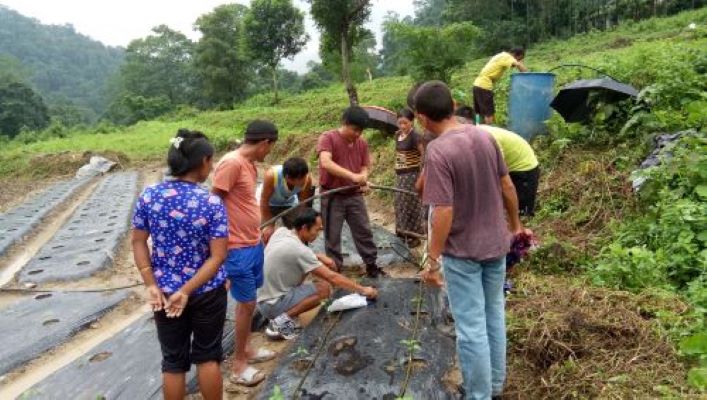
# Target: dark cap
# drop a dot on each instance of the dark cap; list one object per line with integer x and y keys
{"x": 261, "y": 130}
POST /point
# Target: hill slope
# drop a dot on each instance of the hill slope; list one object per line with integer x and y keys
{"x": 662, "y": 53}
{"x": 567, "y": 338}
{"x": 61, "y": 63}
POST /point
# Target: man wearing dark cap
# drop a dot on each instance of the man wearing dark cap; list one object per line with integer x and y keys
{"x": 235, "y": 181}
{"x": 344, "y": 161}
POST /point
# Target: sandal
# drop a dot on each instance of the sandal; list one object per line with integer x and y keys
{"x": 261, "y": 356}
{"x": 249, "y": 377}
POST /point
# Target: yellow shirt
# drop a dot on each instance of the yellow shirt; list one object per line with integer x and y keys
{"x": 494, "y": 69}
{"x": 517, "y": 153}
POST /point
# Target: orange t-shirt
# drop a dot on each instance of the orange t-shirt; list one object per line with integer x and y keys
{"x": 238, "y": 177}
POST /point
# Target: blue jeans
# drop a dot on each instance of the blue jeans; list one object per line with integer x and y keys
{"x": 476, "y": 298}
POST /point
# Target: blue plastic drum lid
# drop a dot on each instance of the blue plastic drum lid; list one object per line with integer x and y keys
{"x": 529, "y": 102}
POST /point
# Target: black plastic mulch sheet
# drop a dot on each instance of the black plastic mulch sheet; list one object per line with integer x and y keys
{"x": 126, "y": 366}
{"x": 391, "y": 249}
{"x": 364, "y": 352}
{"x": 36, "y": 324}
{"x": 19, "y": 221}
{"x": 87, "y": 242}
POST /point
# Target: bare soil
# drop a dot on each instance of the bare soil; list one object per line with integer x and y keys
{"x": 565, "y": 339}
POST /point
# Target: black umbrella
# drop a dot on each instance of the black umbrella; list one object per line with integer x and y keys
{"x": 572, "y": 102}
{"x": 382, "y": 119}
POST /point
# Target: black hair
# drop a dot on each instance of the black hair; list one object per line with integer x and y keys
{"x": 256, "y": 141}
{"x": 306, "y": 218}
{"x": 406, "y": 113}
{"x": 465, "y": 112}
{"x": 434, "y": 100}
{"x": 517, "y": 51}
{"x": 295, "y": 168}
{"x": 411, "y": 95}
{"x": 355, "y": 116}
{"x": 259, "y": 130}
{"x": 187, "y": 152}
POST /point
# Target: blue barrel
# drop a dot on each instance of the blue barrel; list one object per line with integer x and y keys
{"x": 529, "y": 102}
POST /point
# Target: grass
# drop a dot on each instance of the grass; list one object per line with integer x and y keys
{"x": 619, "y": 347}
{"x": 317, "y": 110}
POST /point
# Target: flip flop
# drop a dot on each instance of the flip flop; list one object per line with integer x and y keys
{"x": 249, "y": 377}
{"x": 262, "y": 355}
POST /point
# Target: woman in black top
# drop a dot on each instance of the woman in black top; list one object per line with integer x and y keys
{"x": 409, "y": 151}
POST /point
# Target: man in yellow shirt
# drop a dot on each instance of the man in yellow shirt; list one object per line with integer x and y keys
{"x": 492, "y": 72}
{"x": 523, "y": 166}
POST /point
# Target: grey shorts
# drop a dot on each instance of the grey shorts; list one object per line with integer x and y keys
{"x": 287, "y": 301}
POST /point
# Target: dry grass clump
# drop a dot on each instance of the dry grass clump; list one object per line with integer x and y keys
{"x": 584, "y": 342}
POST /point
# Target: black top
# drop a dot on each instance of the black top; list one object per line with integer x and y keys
{"x": 407, "y": 155}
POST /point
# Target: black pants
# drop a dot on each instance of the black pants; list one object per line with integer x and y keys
{"x": 350, "y": 208}
{"x": 202, "y": 318}
{"x": 526, "y": 183}
{"x": 483, "y": 102}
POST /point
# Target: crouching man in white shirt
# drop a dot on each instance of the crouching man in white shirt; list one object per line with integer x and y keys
{"x": 288, "y": 261}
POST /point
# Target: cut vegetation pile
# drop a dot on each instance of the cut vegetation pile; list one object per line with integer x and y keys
{"x": 568, "y": 341}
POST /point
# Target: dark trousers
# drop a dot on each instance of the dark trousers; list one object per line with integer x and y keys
{"x": 194, "y": 337}
{"x": 352, "y": 209}
{"x": 526, "y": 183}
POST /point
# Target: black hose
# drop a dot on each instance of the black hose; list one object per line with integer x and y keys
{"x": 331, "y": 192}
{"x": 30, "y": 290}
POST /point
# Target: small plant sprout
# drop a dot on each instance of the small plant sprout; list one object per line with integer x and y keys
{"x": 412, "y": 345}
{"x": 301, "y": 351}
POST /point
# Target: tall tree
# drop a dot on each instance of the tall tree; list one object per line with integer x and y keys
{"x": 221, "y": 56}
{"x": 160, "y": 65}
{"x": 434, "y": 53}
{"x": 429, "y": 12}
{"x": 21, "y": 107}
{"x": 274, "y": 30}
{"x": 365, "y": 60}
{"x": 317, "y": 76}
{"x": 392, "y": 58}
{"x": 341, "y": 23}
{"x": 60, "y": 63}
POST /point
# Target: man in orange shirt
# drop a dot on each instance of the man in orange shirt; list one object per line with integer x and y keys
{"x": 235, "y": 181}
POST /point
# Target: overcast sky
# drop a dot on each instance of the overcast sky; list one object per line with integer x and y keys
{"x": 117, "y": 22}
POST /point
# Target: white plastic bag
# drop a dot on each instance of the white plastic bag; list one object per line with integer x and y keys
{"x": 348, "y": 302}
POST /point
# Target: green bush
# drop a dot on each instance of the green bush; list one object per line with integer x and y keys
{"x": 665, "y": 244}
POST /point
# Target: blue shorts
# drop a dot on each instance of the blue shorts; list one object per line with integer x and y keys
{"x": 244, "y": 268}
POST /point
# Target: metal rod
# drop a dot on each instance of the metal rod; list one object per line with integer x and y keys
{"x": 331, "y": 192}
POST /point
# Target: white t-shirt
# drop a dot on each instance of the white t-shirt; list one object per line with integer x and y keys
{"x": 287, "y": 263}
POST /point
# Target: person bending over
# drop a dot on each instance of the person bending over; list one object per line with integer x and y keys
{"x": 493, "y": 71}
{"x": 288, "y": 262}
{"x": 284, "y": 186}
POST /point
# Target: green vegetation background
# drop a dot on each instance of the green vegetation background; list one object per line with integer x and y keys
{"x": 654, "y": 241}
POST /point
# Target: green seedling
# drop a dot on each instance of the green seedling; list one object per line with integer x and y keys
{"x": 301, "y": 351}
{"x": 417, "y": 301}
{"x": 277, "y": 394}
{"x": 412, "y": 345}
